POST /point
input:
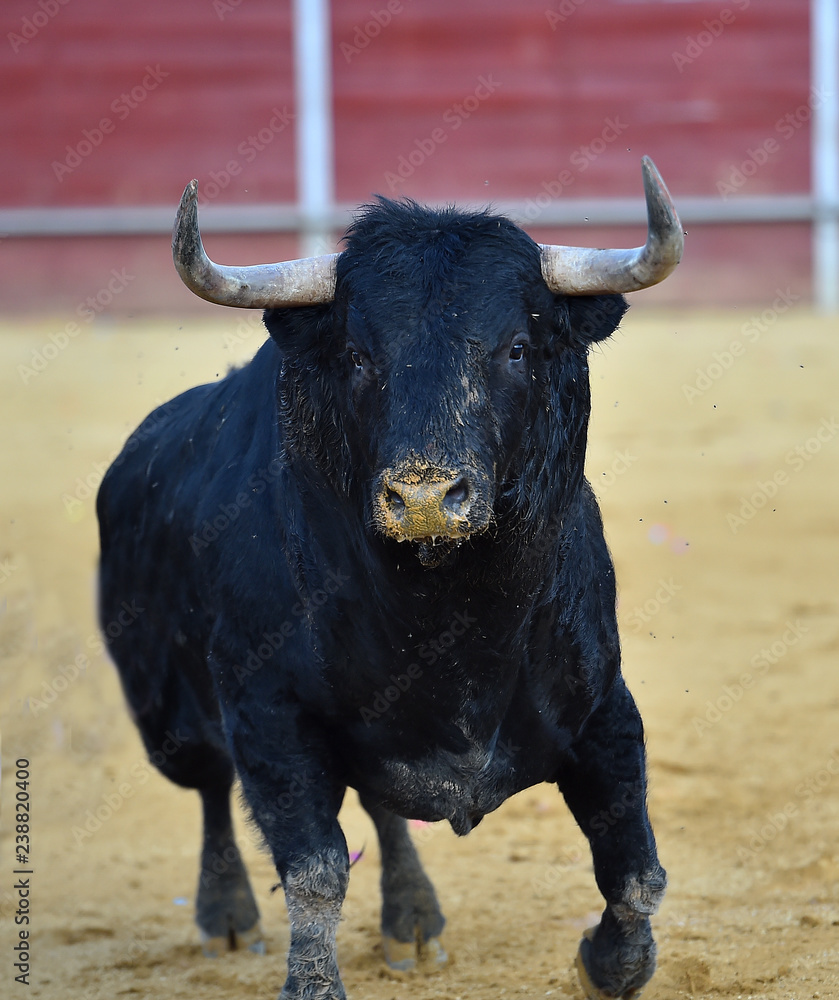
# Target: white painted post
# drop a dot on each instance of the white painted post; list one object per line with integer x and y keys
{"x": 315, "y": 156}
{"x": 824, "y": 61}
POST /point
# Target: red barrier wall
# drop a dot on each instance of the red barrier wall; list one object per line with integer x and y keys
{"x": 112, "y": 104}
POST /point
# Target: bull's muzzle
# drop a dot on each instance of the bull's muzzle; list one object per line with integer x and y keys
{"x": 424, "y": 505}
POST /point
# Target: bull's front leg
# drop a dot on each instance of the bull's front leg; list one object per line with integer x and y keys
{"x": 605, "y": 787}
{"x": 288, "y": 781}
{"x": 314, "y": 890}
{"x": 296, "y": 806}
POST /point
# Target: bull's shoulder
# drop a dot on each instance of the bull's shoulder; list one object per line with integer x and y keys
{"x": 585, "y": 564}
{"x": 574, "y": 651}
{"x": 177, "y": 456}
{"x": 203, "y": 426}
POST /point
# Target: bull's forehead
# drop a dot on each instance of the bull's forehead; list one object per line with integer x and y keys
{"x": 433, "y": 322}
{"x": 431, "y": 360}
{"x": 432, "y": 276}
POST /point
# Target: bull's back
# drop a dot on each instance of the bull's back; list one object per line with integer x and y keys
{"x": 147, "y": 507}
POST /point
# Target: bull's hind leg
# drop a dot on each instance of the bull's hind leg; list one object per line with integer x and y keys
{"x": 225, "y": 909}
{"x": 185, "y": 743}
{"x": 605, "y": 787}
{"x": 411, "y": 917}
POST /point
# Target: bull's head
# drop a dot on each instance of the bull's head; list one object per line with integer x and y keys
{"x": 453, "y": 344}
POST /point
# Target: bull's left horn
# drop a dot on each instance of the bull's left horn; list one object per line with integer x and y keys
{"x": 581, "y": 271}
{"x": 306, "y": 282}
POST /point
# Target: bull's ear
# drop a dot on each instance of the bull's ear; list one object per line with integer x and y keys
{"x": 298, "y": 328}
{"x": 585, "y": 319}
{"x": 276, "y": 323}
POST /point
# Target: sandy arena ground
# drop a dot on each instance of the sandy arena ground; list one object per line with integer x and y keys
{"x": 721, "y": 511}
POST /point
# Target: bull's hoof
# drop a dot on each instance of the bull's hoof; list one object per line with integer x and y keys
{"x": 620, "y": 974}
{"x": 403, "y": 956}
{"x": 226, "y": 912}
{"x": 433, "y": 953}
{"x": 213, "y": 946}
{"x": 400, "y": 955}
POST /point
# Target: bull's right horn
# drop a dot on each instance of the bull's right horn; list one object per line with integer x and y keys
{"x": 583, "y": 271}
{"x": 306, "y": 282}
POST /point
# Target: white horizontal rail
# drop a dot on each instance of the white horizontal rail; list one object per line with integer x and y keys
{"x": 278, "y": 218}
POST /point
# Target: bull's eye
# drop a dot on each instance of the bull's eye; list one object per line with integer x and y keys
{"x": 357, "y": 360}
{"x": 517, "y": 352}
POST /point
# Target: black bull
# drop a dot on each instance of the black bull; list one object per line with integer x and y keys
{"x": 370, "y": 558}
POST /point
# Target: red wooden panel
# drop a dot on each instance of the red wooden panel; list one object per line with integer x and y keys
{"x": 561, "y": 78}
{"x": 182, "y": 93}
{"x": 480, "y": 100}
{"x": 722, "y": 265}
{"x": 697, "y": 108}
{"x": 61, "y": 276}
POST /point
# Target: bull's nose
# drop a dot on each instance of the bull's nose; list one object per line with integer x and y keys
{"x": 450, "y": 495}
{"x": 422, "y": 507}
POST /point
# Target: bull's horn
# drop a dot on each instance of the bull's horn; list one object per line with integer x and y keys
{"x": 580, "y": 271}
{"x": 261, "y": 286}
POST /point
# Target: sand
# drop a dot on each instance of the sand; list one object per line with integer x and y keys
{"x": 714, "y": 449}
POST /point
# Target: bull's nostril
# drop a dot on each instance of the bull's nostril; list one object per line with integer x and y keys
{"x": 457, "y": 495}
{"x": 394, "y": 500}
{"x": 427, "y": 503}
